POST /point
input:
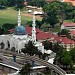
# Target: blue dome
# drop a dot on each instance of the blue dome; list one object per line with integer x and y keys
{"x": 20, "y": 30}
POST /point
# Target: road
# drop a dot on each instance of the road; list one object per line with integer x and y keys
{"x": 36, "y": 59}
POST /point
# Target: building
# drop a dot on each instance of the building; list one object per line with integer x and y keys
{"x": 68, "y": 25}
{"x": 70, "y": 1}
{"x": 65, "y": 42}
{"x": 20, "y": 37}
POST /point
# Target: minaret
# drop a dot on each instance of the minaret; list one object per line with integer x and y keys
{"x": 19, "y": 18}
{"x": 33, "y": 30}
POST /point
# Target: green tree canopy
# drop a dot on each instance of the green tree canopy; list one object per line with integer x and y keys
{"x": 47, "y": 45}
{"x": 31, "y": 49}
{"x": 39, "y": 3}
{"x": 7, "y": 26}
{"x": 56, "y": 12}
{"x": 72, "y": 53}
{"x": 66, "y": 58}
{"x": 26, "y": 69}
{"x": 53, "y": 12}
{"x": 64, "y": 32}
{"x": 3, "y": 2}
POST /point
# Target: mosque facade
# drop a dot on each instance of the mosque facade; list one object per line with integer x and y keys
{"x": 20, "y": 37}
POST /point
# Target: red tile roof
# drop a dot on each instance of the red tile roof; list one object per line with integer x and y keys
{"x": 69, "y": 24}
{"x": 65, "y": 40}
{"x": 72, "y": 1}
{"x": 43, "y": 36}
{"x": 72, "y": 32}
{"x": 40, "y": 35}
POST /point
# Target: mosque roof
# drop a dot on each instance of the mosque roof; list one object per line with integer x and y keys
{"x": 40, "y": 35}
{"x": 20, "y": 30}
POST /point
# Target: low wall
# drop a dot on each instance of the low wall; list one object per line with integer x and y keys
{"x": 9, "y": 69}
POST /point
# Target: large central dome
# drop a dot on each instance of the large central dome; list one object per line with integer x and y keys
{"x": 20, "y": 30}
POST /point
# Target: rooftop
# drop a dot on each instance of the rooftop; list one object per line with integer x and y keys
{"x": 66, "y": 24}
{"x": 72, "y": 1}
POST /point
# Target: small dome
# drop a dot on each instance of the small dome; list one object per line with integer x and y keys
{"x": 20, "y": 30}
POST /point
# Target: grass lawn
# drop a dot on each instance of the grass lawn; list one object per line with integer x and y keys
{"x": 9, "y": 15}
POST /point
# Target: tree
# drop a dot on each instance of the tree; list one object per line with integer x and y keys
{"x": 30, "y": 49}
{"x": 38, "y": 3}
{"x": 66, "y": 58}
{"x": 26, "y": 69}
{"x": 57, "y": 12}
{"x": 6, "y": 27}
{"x": 12, "y": 2}
{"x": 53, "y": 12}
{"x": 3, "y": 3}
{"x": 20, "y": 3}
{"x": 72, "y": 53}
{"x": 47, "y": 45}
{"x": 1, "y": 30}
{"x": 64, "y": 32}
{"x": 57, "y": 48}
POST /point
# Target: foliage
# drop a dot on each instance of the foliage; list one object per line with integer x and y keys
{"x": 57, "y": 12}
{"x": 38, "y": 3}
{"x": 66, "y": 58}
{"x": 38, "y": 23}
{"x": 1, "y": 30}
{"x": 31, "y": 49}
{"x": 17, "y": 3}
{"x": 7, "y": 27}
{"x": 57, "y": 48}
{"x": 64, "y": 32}
{"x": 3, "y": 3}
{"x": 72, "y": 53}
{"x": 53, "y": 12}
{"x": 26, "y": 69}
{"x": 47, "y": 45}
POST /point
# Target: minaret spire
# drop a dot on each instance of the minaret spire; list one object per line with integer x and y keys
{"x": 19, "y": 18}
{"x": 33, "y": 29}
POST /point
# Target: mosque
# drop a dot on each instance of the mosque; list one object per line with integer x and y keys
{"x": 20, "y": 37}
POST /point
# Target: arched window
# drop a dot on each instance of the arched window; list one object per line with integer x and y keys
{"x": 2, "y": 45}
{"x": 8, "y": 44}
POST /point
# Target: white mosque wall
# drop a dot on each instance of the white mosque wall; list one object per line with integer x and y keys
{"x": 5, "y": 39}
{"x": 40, "y": 47}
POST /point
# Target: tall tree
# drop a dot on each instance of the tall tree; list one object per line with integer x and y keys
{"x": 72, "y": 53}
{"x": 39, "y": 3}
{"x": 30, "y": 49}
{"x": 64, "y": 32}
{"x": 57, "y": 11}
{"x": 7, "y": 26}
{"x": 66, "y": 58}
{"x": 47, "y": 45}
{"x": 3, "y": 2}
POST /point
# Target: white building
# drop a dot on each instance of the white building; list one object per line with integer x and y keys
{"x": 20, "y": 37}
{"x": 68, "y": 25}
